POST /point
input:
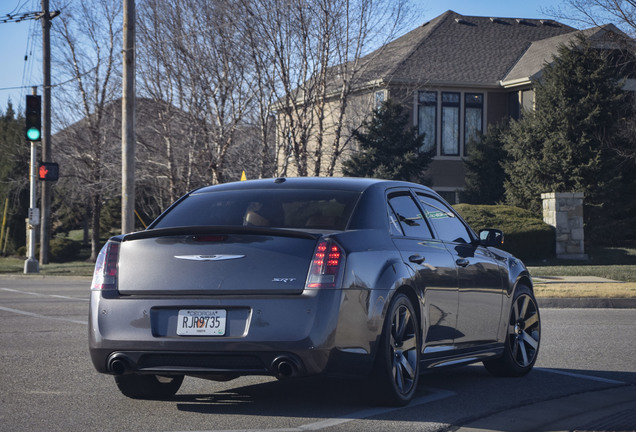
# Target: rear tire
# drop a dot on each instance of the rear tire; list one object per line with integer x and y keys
{"x": 397, "y": 365}
{"x": 523, "y": 335}
{"x": 154, "y": 387}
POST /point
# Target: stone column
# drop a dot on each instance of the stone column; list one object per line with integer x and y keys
{"x": 564, "y": 211}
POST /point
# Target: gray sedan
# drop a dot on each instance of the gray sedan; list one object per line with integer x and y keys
{"x": 358, "y": 278}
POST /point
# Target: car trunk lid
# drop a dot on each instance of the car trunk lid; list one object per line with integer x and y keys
{"x": 215, "y": 261}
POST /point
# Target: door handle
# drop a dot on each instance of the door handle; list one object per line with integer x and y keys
{"x": 462, "y": 262}
{"x": 417, "y": 259}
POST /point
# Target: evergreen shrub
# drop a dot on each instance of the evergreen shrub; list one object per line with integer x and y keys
{"x": 60, "y": 250}
{"x": 63, "y": 250}
{"x": 525, "y": 236}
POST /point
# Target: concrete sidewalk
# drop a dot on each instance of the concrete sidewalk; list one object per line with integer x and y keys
{"x": 571, "y": 279}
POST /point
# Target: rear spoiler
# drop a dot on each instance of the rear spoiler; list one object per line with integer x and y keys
{"x": 197, "y": 230}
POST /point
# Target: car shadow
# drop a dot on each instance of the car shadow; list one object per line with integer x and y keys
{"x": 329, "y": 398}
{"x": 299, "y": 396}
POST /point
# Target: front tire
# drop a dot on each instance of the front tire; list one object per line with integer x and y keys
{"x": 397, "y": 366}
{"x": 522, "y": 338}
{"x": 153, "y": 387}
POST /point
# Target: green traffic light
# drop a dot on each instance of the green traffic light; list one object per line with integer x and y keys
{"x": 33, "y": 134}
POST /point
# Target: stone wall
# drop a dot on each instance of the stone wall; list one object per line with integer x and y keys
{"x": 564, "y": 211}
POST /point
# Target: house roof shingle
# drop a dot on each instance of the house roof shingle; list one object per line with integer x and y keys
{"x": 458, "y": 49}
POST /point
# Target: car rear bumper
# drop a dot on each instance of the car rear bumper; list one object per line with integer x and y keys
{"x": 284, "y": 337}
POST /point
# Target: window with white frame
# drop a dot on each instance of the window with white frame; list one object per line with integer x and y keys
{"x": 427, "y": 119}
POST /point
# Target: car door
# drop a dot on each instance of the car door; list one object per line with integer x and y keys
{"x": 433, "y": 266}
{"x": 479, "y": 273}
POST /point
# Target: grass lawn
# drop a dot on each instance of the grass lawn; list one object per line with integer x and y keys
{"x": 75, "y": 268}
{"x": 585, "y": 290}
{"x": 617, "y": 264}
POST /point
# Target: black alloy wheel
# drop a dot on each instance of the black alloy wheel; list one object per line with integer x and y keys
{"x": 397, "y": 368}
{"x": 522, "y": 339}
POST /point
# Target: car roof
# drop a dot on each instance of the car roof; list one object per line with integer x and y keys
{"x": 353, "y": 184}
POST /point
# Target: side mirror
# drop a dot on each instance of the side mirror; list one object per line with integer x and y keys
{"x": 491, "y": 237}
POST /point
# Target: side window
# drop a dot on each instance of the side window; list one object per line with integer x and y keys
{"x": 447, "y": 226}
{"x": 394, "y": 225}
{"x": 409, "y": 217}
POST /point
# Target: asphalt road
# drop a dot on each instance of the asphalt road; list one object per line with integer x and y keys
{"x": 585, "y": 379}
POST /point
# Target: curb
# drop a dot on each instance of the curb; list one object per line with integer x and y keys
{"x": 587, "y": 303}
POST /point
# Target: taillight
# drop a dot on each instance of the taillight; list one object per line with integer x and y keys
{"x": 325, "y": 265}
{"x": 105, "y": 275}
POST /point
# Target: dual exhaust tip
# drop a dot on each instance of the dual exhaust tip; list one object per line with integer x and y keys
{"x": 282, "y": 367}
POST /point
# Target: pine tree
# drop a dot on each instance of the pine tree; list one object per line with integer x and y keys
{"x": 563, "y": 146}
{"x": 14, "y": 176}
{"x": 484, "y": 171}
{"x": 389, "y": 148}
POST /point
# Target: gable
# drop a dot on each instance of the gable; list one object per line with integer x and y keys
{"x": 542, "y": 52}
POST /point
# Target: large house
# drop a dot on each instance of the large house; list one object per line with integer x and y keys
{"x": 459, "y": 74}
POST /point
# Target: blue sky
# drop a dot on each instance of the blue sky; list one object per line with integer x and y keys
{"x": 20, "y": 39}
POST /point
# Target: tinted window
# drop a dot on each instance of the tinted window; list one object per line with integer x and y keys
{"x": 317, "y": 209}
{"x": 409, "y": 216}
{"x": 447, "y": 226}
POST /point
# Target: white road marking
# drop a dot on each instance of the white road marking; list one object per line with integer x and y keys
{"x": 435, "y": 395}
{"x": 44, "y": 295}
{"x": 21, "y": 312}
{"x": 582, "y": 376}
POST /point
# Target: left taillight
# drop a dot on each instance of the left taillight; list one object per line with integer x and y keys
{"x": 105, "y": 275}
{"x": 326, "y": 265}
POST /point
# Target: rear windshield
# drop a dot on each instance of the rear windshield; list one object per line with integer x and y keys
{"x": 307, "y": 208}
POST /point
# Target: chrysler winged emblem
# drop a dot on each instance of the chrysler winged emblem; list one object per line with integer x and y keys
{"x": 208, "y": 257}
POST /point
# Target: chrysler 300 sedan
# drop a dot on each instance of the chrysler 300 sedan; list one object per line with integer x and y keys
{"x": 288, "y": 277}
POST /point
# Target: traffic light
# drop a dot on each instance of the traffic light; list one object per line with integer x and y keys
{"x": 48, "y": 171}
{"x": 33, "y": 118}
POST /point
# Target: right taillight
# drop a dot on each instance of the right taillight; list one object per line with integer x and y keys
{"x": 326, "y": 265}
{"x": 105, "y": 275}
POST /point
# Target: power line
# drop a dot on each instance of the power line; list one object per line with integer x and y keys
{"x": 52, "y": 85}
{"x": 18, "y": 6}
{"x": 27, "y": 68}
{"x": 22, "y": 16}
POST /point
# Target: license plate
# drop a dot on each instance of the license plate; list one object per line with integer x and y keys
{"x": 198, "y": 322}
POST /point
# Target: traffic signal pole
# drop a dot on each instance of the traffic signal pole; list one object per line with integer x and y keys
{"x": 36, "y": 133}
{"x": 31, "y": 264}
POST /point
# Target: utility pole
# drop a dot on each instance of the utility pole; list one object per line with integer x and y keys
{"x": 45, "y": 222}
{"x": 128, "y": 122}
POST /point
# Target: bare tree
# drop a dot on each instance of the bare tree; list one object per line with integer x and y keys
{"x": 87, "y": 46}
{"x": 598, "y": 12}
{"x": 194, "y": 57}
{"x": 314, "y": 49}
